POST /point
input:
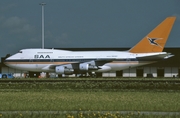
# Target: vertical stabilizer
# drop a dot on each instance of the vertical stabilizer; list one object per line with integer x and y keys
{"x": 156, "y": 39}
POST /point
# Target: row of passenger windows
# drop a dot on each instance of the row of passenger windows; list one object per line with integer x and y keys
{"x": 60, "y": 60}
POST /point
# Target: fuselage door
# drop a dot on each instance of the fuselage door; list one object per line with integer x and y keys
{"x": 129, "y": 60}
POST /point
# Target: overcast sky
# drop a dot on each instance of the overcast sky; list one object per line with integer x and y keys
{"x": 83, "y": 23}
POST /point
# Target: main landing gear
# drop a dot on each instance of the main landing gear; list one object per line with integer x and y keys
{"x": 93, "y": 74}
{"x": 85, "y": 75}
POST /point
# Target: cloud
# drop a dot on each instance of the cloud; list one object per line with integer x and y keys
{"x": 17, "y": 25}
{"x": 17, "y": 32}
{"x": 60, "y": 38}
{"x": 63, "y": 38}
{"x": 2, "y": 18}
{"x": 7, "y": 7}
{"x": 13, "y": 22}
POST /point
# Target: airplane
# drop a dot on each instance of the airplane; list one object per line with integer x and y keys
{"x": 148, "y": 50}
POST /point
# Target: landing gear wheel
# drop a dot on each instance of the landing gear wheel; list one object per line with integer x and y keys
{"x": 93, "y": 75}
{"x": 83, "y": 75}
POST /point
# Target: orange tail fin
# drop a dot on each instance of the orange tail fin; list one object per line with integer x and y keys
{"x": 156, "y": 39}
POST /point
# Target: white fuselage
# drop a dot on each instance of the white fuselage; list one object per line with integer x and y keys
{"x": 46, "y": 60}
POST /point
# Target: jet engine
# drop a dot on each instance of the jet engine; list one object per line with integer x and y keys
{"x": 64, "y": 70}
{"x": 87, "y": 66}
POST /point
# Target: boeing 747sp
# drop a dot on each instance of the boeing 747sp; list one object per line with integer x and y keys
{"x": 148, "y": 50}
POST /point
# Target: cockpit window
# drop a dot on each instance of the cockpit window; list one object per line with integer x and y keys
{"x": 20, "y": 51}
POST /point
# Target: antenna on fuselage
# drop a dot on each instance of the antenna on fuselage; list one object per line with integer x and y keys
{"x": 42, "y": 4}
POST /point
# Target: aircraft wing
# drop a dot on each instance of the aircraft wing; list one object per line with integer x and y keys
{"x": 94, "y": 64}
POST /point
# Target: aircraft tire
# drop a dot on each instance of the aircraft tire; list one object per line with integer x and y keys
{"x": 93, "y": 75}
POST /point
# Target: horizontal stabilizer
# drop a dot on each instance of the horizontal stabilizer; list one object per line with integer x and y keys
{"x": 155, "y": 57}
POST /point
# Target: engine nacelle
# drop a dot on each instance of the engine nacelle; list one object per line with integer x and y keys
{"x": 86, "y": 67}
{"x": 64, "y": 70}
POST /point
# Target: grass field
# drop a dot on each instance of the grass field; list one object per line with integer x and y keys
{"x": 164, "y": 85}
{"x": 55, "y": 100}
{"x": 98, "y": 101}
{"x": 88, "y": 97}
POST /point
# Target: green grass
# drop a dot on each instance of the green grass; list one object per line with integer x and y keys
{"x": 89, "y": 96}
{"x": 93, "y": 86}
{"x": 55, "y": 100}
{"x": 89, "y": 78}
{"x": 83, "y": 115}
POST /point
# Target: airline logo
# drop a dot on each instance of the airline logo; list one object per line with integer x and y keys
{"x": 41, "y": 56}
{"x": 153, "y": 41}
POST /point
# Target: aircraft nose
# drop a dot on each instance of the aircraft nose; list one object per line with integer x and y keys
{"x": 6, "y": 61}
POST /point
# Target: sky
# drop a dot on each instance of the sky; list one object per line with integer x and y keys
{"x": 83, "y": 23}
